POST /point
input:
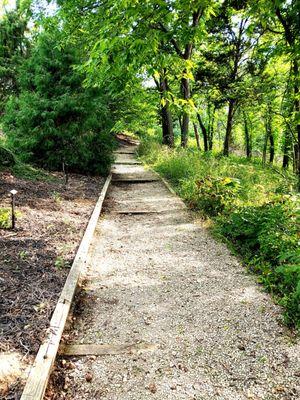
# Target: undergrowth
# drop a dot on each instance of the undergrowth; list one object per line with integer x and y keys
{"x": 254, "y": 208}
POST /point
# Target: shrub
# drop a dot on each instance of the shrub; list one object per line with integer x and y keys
{"x": 55, "y": 120}
{"x": 214, "y": 194}
{"x": 7, "y": 158}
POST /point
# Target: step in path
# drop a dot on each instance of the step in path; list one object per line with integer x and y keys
{"x": 169, "y": 313}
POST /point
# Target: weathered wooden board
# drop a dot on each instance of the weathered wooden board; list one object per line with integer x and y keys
{"x": 39, "y": 374}
{"x": 105, "y": 349}
{"x": 142, "y": 212}
{"x": 135, "y": 180}
{"x": 135, "y": 177}
{"x": 128, "y": 162}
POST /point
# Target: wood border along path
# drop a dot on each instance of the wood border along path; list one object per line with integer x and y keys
{"x": 39, "y": 374}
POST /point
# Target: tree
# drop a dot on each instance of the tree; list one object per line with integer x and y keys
{"x": 143, "y": 34}
{"x": 281, "y": 18}
{"x": 14, "y": 48}
{"x": 55, "y": 120}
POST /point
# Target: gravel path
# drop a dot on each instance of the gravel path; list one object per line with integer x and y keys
{"x": 159, "y": 278}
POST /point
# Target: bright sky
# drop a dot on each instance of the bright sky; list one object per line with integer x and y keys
{"x": 5, "y": 4}
{"x": 42, "y": 4}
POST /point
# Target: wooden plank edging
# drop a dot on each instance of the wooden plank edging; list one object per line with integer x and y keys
{"x": 39, "y": 374}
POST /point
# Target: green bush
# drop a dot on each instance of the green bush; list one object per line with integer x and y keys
{"x": 214, "y": 194}
{"x": 7, "y": 158}
{"x": 55, "y": 119}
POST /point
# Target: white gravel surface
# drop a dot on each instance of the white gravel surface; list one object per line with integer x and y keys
{"x": 160, "y": 278}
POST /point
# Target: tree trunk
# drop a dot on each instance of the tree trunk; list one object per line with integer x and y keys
{"x": 185, "y": 88}
{"x": 197, "y": 136}
{"x": 204, "y": 132}
{"x": 268, "y": 136}
{"x": 211, "y": 129}
{"x": 286, "y": 150}
{"x": 167, "y": 125}
{"x": 264, "y": 154}
{"x": 272, "y": 147}
{"x": 166, "y": 116}
{"x": 247, "y": 137}
{"x": 228, "y": 135}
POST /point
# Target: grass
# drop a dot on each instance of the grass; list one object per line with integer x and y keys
{"x": 28, "y": 172}
{"x": 9, "y": 162}
{"x": 253, "y": 208}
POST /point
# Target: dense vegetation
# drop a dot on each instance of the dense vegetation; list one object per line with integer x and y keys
{"x": 218, "y": 83}
{"x": 54, "y": 120}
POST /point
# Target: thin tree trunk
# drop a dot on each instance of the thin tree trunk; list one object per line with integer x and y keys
{"x": 272, "y": 147}
{"x": 185, "y": 88}
{"x": 264, "y": 154}
{"x": 247, "y": 137}
{"x": 211, "y": 129}
{"x": 204, "y": 132}
{"x": 268, "y": 136}
{"x": 166, "y": 116}
{"x": 167, "y": 125}
{"x": 197, "y": 136}
{"x": 180, "y": 121}
{"x": 286, "y": 150}
{"x": 228, "y": 135}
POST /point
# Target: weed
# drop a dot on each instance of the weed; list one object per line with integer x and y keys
{"x": 60, "y": 263}
{"x": 5, "y": 218}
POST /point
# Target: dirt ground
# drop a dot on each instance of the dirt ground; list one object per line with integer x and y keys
{"x": 34, "y": 261}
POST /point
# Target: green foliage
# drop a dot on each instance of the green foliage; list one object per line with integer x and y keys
{"x": 26, "y": 171}
{"x": 252, "y": 207}
{"x": 5, "y": 218}
{"x": 213, "y": 194}
{"x": 14, "y": 47}
{"x": 56, "y": 120}
{"x": 61, "y": 263}
{"x": 7, "y": 158}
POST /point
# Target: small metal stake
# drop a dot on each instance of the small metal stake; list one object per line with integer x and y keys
{"x": 13, "y": 216}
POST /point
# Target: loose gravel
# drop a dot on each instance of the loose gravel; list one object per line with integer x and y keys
{"x": 160, "y": 278}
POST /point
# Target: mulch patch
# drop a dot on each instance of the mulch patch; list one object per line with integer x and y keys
{"x": 35, "y": 258}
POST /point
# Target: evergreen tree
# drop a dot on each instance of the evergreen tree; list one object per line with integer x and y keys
{"x": 14, "y": 47}
{"x": 55, "y": 120}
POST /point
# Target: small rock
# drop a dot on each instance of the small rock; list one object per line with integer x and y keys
{"x": 152, "y": 387}
{"x": 89, "y": 377}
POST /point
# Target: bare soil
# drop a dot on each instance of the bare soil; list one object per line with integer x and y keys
{"x": 35, "y": 258}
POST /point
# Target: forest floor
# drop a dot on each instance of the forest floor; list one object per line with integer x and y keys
{"x": 34, "y": 262}
{"x": 195, "y": 324}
